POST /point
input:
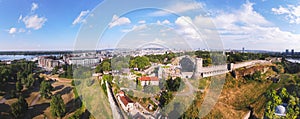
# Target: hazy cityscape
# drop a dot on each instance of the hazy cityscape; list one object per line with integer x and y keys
{"x": 180, "y": 59}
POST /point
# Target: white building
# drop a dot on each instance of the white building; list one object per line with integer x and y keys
{"x": 145, "y": 80}
{"x": 83, "y": 61}
{"x": 126, "y": 103}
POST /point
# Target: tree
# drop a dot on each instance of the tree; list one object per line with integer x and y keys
{"x": 284, "y": 94}
{"x": 45, "y": 89}
{"x": 19, "y": 108}
{"x": 106, "y": 66}
{"x": 57, "y": 106}
{"x": 54, "y": 70}
{"x": 29, "y": 81}
{"x": 16, "y": 109}
{"x": 165, "y": 98}
{"x": 19, "y": 86}
{"x": 23, "y": 103}
{"x": 174, "y": 84}
{"x": 140, "y": 62}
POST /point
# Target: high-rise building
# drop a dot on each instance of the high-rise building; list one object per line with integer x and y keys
{"x": 292, "y": 52}
{"x": 287, "y": 52}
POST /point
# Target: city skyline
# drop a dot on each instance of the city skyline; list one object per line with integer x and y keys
{"x": 53, "y": 25}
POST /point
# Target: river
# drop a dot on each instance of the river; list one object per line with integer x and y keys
{"x": 294, "y": 60}
{"x": 16, "y": 57}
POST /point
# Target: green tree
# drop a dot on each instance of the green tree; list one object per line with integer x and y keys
{"x": 165, "y": 98}
{"x": 19, "y": 108}
{"x": 174, "y": 84}
{"x": 106, "y": 66}
{"x": 19, "y": 86}
{"x": 45, "y": 89}
{"x": 140, "y": 62}
{"x": 57, "y": 106}
{"x": 284, "y": 94}
{"x": 54, "y": 70}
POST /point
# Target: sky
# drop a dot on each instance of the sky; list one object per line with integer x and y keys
{"x": 272, "y": 25}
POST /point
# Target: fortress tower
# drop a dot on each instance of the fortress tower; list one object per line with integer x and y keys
{"x": 198, "y": 68}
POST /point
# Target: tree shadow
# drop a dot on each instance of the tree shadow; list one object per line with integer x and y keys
{"x": 73, "y": 105}
{"x": 36, "y": 110}
{"x": 64, "y": 91}
{"x": 4, "y": 111}
{"x": 58, "y": 87}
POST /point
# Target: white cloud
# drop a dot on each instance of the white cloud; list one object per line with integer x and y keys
{"x": 80, "y": 18}
{"x": 136, "y": 28}
{"x": 20, "y": 18}
{"x": 35, "y": 22}
{"x": 142, "y": 22}
{"x": 244, "y": 16}
{"x": 179, "y": 7}
{"x": 116, "y": 21}
{"x": 292, "y": 13}
{"x": 34, "y": 6}
{"x": 12, "y": 30}
{"x": 246, "y": 27}
{"x": 165, "y": 22}
{"x": 186, "y": 28}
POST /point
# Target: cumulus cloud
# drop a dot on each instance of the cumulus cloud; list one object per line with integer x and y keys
{"x": 136, "y": 28}
{"x": 35, "y": 22}
{"x": 186, "y": 28}
{"x": 292, "y": 13}
{"x": 247, "y": 27}
{"x": 179, "y": 7}
{"x": 243, "y": 27}
{"x": 12, "y": 30}
{"x": 165, "y": 22}
{"x": 116, "y": 21}
{"x": 80, "y": 18}
{"x": 142, "y": 22}
{"x": 34, "y": 6}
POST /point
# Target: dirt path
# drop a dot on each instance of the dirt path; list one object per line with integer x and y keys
{"x": 63, "y": 80}
{"x": 35, "y": 100}
{"x": 2, "y": 100}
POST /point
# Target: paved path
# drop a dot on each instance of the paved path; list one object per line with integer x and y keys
{"x": 191, "y": 89}
{"x": 117, "y": 114}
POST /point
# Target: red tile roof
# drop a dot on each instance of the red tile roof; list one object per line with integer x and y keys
{"x": 125, "y": 100}
{"x": 147, "y": 78}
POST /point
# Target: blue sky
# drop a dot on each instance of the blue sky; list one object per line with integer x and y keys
{"x": 56, "y": 24}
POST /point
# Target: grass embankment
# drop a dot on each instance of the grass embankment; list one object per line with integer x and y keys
{"x": 239, "y": 96}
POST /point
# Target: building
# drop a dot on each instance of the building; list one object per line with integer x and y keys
{"x": 126, "y": 103}
{"x": 145, "y": 80}
{"x": 48, "y": 63}
{"x": 83, "y": 61}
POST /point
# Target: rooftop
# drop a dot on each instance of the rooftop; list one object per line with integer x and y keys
{"x": 147, "y": 78}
